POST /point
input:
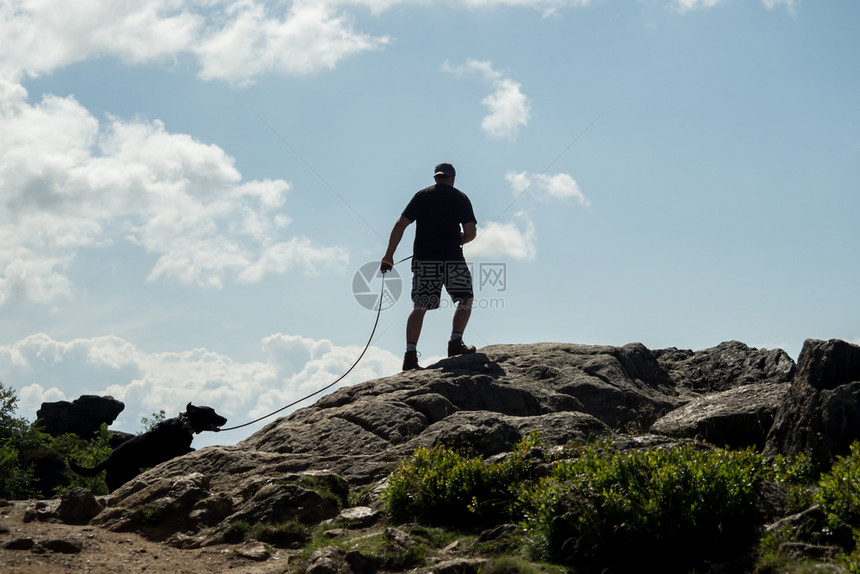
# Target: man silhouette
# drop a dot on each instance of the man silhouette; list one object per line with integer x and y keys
{"x": 444, "y": 223}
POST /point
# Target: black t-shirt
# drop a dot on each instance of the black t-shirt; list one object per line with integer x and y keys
{"x": 438, "y": 211}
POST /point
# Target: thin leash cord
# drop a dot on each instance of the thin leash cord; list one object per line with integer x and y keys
{"x": 337, "y": 380}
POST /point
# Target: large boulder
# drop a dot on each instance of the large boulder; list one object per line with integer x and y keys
{"x": 83, "y": 416}
{"x": 821, "y": 414}
{"x": 736, "y": 418}
{"x": 616, "y": 385}
{"x": 726, "y": 366}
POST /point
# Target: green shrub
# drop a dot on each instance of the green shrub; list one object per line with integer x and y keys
{"x": 839, "y": 492}
{"x": 148, "y": 423}
{"x": 237, "y": 531}
{"x": 440, "y": 486}
{"x": 606, "y": 506}
{"x": 509, "y": 565}
{"x": 16, "y": 480}
{"x": 282, "y": 535}
{"x": 86, "y": 453}
{"x": 796, "y": 474}
{"x": 32, "y": 462}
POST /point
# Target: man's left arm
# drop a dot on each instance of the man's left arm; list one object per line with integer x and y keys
{"x": 470, "y": 231}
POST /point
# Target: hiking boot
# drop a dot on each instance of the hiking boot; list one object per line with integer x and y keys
{"x": 458, "y": 347}
{"x": 410, "y": 361}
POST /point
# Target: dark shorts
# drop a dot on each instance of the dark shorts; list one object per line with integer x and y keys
{"x": 429, "y": 276}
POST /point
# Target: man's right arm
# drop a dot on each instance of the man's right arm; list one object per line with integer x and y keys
{"x": 393, "y": 241}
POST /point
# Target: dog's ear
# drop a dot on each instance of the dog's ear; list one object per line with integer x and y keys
{"x": 189, "y": 408}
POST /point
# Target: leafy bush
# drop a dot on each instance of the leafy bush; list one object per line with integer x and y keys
{"x": 282, "y": 535}
{"x": 32, "y": 462}
{"x": 86, "y": 453}
{"x": 148, "y": 423}
{"x": 440, "y": 486}
{"x": 16, "y": 480}
{"x": 607, "y": 507}
{"x": 839, "y": 492}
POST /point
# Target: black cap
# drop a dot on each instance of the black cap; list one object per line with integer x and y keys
{"x": 444, "y": 169}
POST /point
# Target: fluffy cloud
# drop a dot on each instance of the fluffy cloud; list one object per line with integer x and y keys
{"x": 70, "y": 183}
{"x": 686, "y": 5}
{"x": 790, "y": 5}
{"x": 42, "y": 369}
{"x": 504, "y": 240}
{"x": 560, "y": 187}
{"x": 509, "y": 108}
{"x": 234, "y": 41}
{"x": 310, "y": 38}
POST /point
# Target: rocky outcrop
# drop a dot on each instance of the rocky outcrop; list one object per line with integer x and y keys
{"x": 615, "y": 385}
{"x": 482, "y": 403}
{"x": 736, "y": 418}
{"x": 821, "y": 413}
{"x": 726, "y": 366}
{"x": 83, "y": 416}
{"x": 308, "y": 468}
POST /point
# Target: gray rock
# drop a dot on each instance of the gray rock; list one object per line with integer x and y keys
{"x": 26, "y": 543}
{"x": 78, "y": 506}
{"x": 487, "y": 433}
{"x": 738, "y": 418}
{"x": 155, "y": 506}
{"x": 83, "y": 416}
{"x": 253, "y": 550}
{"x": 284, "y": 502}
{"x": 62, "y": 545}
{"x": 455, "y": 566}
{"x": 800, "y": 551}
{"x": 821, "y": 413}
{"x": 616, "y": 385}
{"x": 327, "y": 560}
{"x": 357, "y": 517}
{"x": 726, "y": 366}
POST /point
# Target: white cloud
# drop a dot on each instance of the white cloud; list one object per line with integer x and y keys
{"x": 790, "y": 5}
{"x": 504, "y": 240}
{"x": 40, "y": 37}
{"x": 686, "y": 5}
{"x": 43, "y": 369}
{"x": 559, "y": 187}
{"x": 233, "y": 40}
{"x": 70, "y": 183}
{"x": 509, "y": 108}
{"x": 548, "y": 6}
{"x": 310, "y": 38}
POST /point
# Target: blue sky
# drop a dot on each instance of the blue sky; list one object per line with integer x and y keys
{"x": 190, "y": 187}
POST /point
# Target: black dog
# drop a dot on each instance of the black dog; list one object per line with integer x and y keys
{"x": 166, "y": 440}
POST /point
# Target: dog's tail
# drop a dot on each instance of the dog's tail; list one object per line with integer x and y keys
{"x": 86, "y": 470}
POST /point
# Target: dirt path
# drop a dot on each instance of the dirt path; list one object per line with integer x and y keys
{"x": 106, "y": 552}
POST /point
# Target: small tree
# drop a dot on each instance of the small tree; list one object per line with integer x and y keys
{"x": 150, "y": 422}
{"x": 15, "y": 479}
{"x": 24, "y": 448}
{"x": 10, "y": 425}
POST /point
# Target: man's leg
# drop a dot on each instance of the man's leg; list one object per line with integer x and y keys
{"x": 456, "y": 346}
{"x": 458, "y": 282}
{"x": 414, "y": 324}
{"x": 413, "y": 333}
{"x": 461, "y": 316}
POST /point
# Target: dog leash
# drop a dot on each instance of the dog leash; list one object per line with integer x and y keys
{"x": 337, "y": 380}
